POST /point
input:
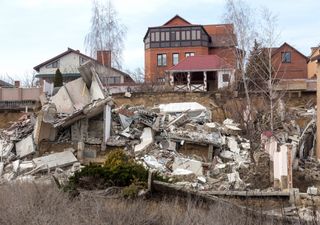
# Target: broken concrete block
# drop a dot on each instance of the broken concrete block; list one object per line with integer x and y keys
{"x": 125, "y": 121}
{"x": 96, "y": 91}
{"x": 188, "y": 164}
{"x": 146, "y": 140}
{"x": 153, "y": 163}
{"x": 25, "y": 147}
{"x": 78, "y": 93}
{"x": 127, "y": 95}
{"x": 230, "y": 124}
{"x": 233, "y": 145}
{"x": 181, "y": 172}
{"x": 63, "y": 102}
{"x": 202, "y": 179}
{"x": 169, "y": 145}
{"x": 312, "y": 190}
{"x": 55, "y": 160}
{"x": 5, "y": 149}
{"x": 211, "y": 127}
{"x": 26, "y": 166}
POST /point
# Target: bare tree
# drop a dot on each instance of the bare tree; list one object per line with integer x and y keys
{"x": 238, "y": 13}
{"x": 29, "y": 79}
{"x": 261, "y": 70}
{"x": 137, "y": 75}
{"x": 106, "y": 32}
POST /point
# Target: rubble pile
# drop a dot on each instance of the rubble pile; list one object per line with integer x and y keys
{"x": 155, "y": 136}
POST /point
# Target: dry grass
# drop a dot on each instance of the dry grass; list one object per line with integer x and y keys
{"x": 29, "y": 204}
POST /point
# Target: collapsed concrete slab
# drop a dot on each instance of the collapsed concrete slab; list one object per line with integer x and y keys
{"x": 63, "y": 102}
{"x": 188, "y": 164}
{"x": 146, "y": 140}
{"x": 25, "y": 147}
{"x": 52, "y": 161}
{"x": 5, "y": 148}
{"x": 78, "y": 93}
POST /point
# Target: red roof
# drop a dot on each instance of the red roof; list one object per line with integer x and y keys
{"x": 201, "y": 63}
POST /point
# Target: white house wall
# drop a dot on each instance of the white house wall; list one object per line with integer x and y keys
{"x": 67, "y": 64}
{"x": 222, "y": 84}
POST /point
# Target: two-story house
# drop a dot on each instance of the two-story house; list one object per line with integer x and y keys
{"x": 194, "y": 57}
{"x": 69, "y": 61}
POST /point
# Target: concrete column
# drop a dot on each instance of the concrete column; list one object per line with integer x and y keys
{"x": 318, "y": 119}
{"x": 205, "y": 80}
{"x": 80, "y": 151}
{"x": 188, "y": 81}
{"x": 171, "y": 79}
{"x": 290, "y": 178}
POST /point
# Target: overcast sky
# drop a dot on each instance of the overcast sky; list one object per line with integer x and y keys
{"x": 33, "y": 31}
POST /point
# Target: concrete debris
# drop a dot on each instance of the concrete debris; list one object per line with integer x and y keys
{"x": 25, "y": 147}
{"x": 146, "y": 140}
{"x": 178, "y": 140}
{"x": 52, "y": 161}
{"x": 188, "y": 164}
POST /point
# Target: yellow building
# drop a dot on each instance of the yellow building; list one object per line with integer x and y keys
{"x": 314, "y": 63}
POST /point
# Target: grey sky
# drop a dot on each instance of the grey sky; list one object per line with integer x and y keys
{"x": 33, "y": 31}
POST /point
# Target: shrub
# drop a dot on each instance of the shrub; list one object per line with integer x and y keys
{"x": 118, "y": 170}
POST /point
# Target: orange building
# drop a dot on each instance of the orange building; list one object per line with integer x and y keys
{"x": 168, "y": 45}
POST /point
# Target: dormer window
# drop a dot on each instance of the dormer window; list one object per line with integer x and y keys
{"x": 54, "y": 64}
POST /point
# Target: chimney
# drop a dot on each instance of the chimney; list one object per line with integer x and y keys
{"x": 16, "y": 83}
{"x": 104, "y": 57}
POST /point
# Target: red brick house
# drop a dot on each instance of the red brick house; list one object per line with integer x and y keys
{"x": 169, "y": 45}
{"x": 289, "y": 63}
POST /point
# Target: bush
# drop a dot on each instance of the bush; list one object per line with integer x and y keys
{"x": 118, "y": 170}
{"x": 58, "y": 79}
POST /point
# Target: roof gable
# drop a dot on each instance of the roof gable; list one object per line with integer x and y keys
{"x": 176, "y": 21}
{"x": 69, "y": 50}
{"x": 285, "y": 46}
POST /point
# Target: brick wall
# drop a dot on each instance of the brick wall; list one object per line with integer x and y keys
{"x": 297, "y": 69}
{"x": 153, "y": 71}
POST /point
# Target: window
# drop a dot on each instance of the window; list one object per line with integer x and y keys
{"x": 193, "y": 34}
{"x": 225, "y": 77}
{"x": 162, "y": 36}
{"x": 162, "y": 59}
{"x": 55, "y": 64}
{"x": 175, "y": 58}
{"x": 286, "y": 57}
{"x": 167, "y": 36}
{"x": 157, "y": 36}
{"x": 183, "y": 35}
{"x": 177, "y": 35}
{"x": 112, "y": 80}
{"x": 189, "y": 54}
{"x": 198, "y": 34}
{"x": 82, "y": 60}
{"x": 188, "y": 35}
{"x": 152, "y": 36}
